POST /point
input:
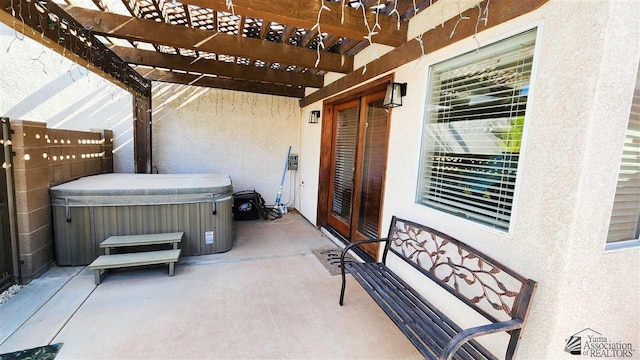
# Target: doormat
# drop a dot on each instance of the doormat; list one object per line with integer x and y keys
{"x": 330, "y": 259}
{"x": 48, "y": 352}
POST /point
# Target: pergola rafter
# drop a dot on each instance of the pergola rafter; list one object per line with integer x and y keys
{"x": 407, "y": 11}
{"x": 304, "y": 14}
{"x": 137, "y": 29}
{"x": 221, "y": 83}
{"x": 260, "y": 43}
{"x": 213, "y": 67}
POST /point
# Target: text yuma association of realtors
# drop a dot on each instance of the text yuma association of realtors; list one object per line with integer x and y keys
{"x": 600, "y": 346}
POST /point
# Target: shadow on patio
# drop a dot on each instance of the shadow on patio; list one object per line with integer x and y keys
{"x": 269, "y": 297}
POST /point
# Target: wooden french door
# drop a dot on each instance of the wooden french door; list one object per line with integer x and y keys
{"x": 358, "y": 164}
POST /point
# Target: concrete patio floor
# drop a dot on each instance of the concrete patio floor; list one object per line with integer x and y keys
{"x": 269, "y": 297}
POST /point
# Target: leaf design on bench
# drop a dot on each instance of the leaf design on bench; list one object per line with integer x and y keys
{"x": 468, "y": 274}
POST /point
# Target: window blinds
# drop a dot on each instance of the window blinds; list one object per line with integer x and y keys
{"x": 346, "y": 137}
{"x": 472, "y": 138}
{"x": 625, "y": 217}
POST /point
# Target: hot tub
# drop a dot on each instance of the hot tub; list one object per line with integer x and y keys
{"x": 89, "y": 210}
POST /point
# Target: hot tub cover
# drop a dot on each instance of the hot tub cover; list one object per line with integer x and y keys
{"x": 141, "y": 189}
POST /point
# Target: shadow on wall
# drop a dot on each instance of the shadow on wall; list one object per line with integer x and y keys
{"x": 44, "y": 86}
{"x": 99, "y": 109}
{"x": 41, "y": 95}
{"x": 245, "y": 135}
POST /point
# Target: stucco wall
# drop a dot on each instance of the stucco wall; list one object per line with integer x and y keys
{"x": 200, "y": 130}
{"x": 309, "y": 164}
{"x": 585, "y": 63}
{"x": 40, "y": 85}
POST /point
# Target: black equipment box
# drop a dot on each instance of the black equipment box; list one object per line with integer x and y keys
{"x": 245, "y": 205}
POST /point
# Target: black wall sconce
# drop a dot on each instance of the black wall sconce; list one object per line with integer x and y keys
{"x": 394, "y": 94}
{"x": 314, "y": 116}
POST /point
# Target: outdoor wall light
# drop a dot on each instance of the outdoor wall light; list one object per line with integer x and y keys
{"x": 394, "y": 94}
{"x": 314, "y": 116}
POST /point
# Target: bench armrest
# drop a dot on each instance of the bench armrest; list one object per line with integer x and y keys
{"x": 473, "y": 332}
{"x": 355, "y": 243}
{"x": 344, "y": 252}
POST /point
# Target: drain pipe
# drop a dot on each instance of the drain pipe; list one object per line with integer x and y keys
{"x": 11, "y": 198}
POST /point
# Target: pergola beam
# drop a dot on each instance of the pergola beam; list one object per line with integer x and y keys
{"x": 241, "y": 25}
{"x": 264, "y": 29}
{"x": 304, "y": 14}
{"x": 329, "y": 41}
{"x": 132, "y": 6}
{"x": 163, "y": 15}
{"x": 187, "y": 15}
{"x": 136, "y": 29}
{"x": 308, "y": 38}
{"x": 348, "y": 44}
{"x": 162, "y": 11}
{"x": 91, "y": 53}
{"x": 220, "y": 83}
{"x": 287, "y": 33}
{"x": 103, "y": 5}
{"x": 407, "y": 10}
{"x": 219, "y": 68}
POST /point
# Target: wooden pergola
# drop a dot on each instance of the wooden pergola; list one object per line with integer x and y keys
{"x": 277, "y": 47}
{"x": 269, "y": 47}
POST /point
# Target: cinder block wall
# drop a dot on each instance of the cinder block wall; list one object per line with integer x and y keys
{"x": 43, "y": 158}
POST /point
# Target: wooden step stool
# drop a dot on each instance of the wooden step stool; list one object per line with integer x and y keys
{"x": 109, "y": 261}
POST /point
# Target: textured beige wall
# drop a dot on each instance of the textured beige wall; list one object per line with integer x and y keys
{"x": 200, "y": 130}
{"x": 38, "y": 84}
{"x": 309, "y": 163}
{"x": 586, "y": 58}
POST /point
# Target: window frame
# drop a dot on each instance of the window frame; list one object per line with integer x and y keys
{"x": 538, "y": 28}
{"x": 621, "y": 245}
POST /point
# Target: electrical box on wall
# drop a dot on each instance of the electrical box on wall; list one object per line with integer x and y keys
{"x": 293, "y": 162}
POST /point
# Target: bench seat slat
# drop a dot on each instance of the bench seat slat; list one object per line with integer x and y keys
{"x": 472, "y": 347}
{"x": 406, "y": 314}
{"x": 439, "y": 325}
{"x": 425, "y": 351}
{"x": 448, "y": 330}
{"x": 139, "y": 240}
{"x": 427, "y": 328}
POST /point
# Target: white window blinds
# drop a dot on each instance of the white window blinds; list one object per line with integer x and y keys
{"x": 625, "y": 217}
{"x": 473, "y": 132}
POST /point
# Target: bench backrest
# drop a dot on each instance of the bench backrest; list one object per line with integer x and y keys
{"x": 490, "y": 288}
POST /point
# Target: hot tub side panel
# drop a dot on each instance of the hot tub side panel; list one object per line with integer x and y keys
{"x": 72, "y": 240}
{"x": 77, "y": 242}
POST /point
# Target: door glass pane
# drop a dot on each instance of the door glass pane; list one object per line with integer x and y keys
{"x": 346, "y": 134}
{"x": 373, "y": 169}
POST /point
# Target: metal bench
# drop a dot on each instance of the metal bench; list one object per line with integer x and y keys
{"x": 491, "y": 289}
{"x": 111, "y": 261}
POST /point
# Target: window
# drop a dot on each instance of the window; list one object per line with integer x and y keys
{"x": 473, "y": 131}
{"x": 625, "y": 217}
